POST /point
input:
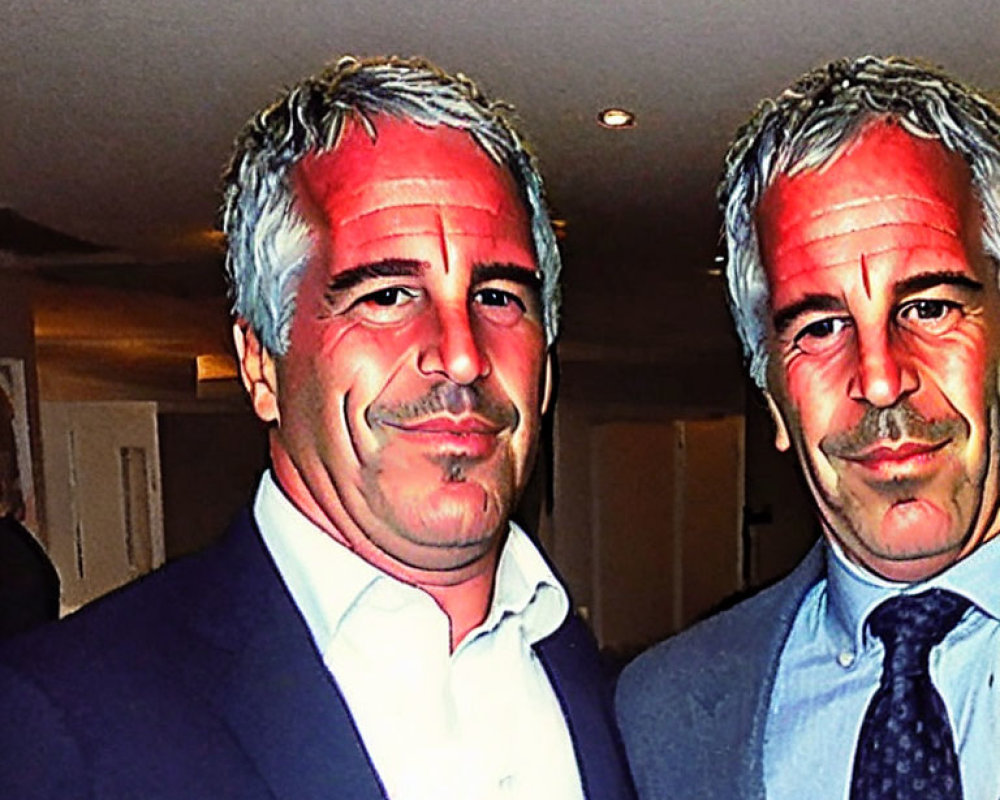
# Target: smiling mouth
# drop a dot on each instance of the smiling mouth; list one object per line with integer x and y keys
{"x": 468, "y": 437}
{"x": 464, "y": 426}
{"x": 907, "y": 455}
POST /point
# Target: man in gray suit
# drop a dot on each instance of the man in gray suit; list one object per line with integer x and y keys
{"x": 862, "y": 218}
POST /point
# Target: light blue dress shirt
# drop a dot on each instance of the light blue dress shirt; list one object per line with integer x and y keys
{"x": 831, "y": 664}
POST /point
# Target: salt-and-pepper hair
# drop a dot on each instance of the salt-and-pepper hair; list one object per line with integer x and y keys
{"x": 268, "y": 237}
{"x": 808, "y": 124}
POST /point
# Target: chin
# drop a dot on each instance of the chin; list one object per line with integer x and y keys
{"x": 914, "y": 549}
{"x": 907, "y": 556}
{"x": 461, "y": 516}
{"x": 913, "y": 567}
{"x": 457, "y": 515}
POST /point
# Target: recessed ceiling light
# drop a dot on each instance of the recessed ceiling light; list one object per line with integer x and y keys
{"x": 616, "y": 118}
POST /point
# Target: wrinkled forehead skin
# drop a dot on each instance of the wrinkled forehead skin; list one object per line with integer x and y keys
{"x": 430, "y": 173}
{"x": 854, "y": 191}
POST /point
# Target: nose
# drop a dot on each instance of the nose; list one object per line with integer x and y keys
{"x": 453, "y": 349}
{"x": 885, "y": 371}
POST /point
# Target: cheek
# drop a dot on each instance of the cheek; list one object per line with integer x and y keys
{"x": 955, "y": 375}
{"x": 375, "y": 366}
{"x": 517, "y": 364}
{"x": 365, "y": 358}
{"x": 818, "y": 391}
{"x": 348, "y": 366}
{"x": 374, "y": 351}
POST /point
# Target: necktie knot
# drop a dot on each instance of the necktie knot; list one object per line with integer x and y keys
{"x": 910, "y": 625}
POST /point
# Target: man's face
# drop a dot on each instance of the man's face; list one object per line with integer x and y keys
{"x": 883, "y": 349}
{"x": 409, "y": 401}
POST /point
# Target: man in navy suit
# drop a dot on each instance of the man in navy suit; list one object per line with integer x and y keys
{"x": 862, "y": 218}
{"x": 375, "y": 625}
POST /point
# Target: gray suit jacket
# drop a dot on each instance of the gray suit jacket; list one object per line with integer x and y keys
{"x": 693, "y": 709}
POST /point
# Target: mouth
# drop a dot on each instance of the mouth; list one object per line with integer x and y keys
{"x": 903, "y": 459}
{"x": 469, "y": 436}
{"x": 459, "y": 426}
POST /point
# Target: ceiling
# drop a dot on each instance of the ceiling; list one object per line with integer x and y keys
{"x": 117, "y": 115}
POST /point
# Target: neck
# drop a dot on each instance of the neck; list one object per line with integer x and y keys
{"x": 466, "y": 603}
{"x": 463, "y": 593}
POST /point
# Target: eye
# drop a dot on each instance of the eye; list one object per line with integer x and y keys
{"x": 822, "y": 335}
{"x": 387, "y": 305}
{"x": 498, "y": 297}
{"x": 393, "y": 296}
{"x": 499, "y": 306}
{"x": 932, "y": 316}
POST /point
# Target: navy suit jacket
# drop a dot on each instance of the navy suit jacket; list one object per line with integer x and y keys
{"x": 693, "y": 709}
{"x": 202, "y": 681}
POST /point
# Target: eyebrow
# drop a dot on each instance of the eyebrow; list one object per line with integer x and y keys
{"x": 915, "y": 283}
{"x": 386, "y": 268}
{"x": 411, "y": 267}
{"x": 481, "y": 273}
{"x": 928, "y": 280}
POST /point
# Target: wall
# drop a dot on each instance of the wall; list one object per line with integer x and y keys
{"x": 210, "y": 464}
{"x": 655, "y": 394}
{"x": 781, "y": 519}
{"x": 17, "y": 341}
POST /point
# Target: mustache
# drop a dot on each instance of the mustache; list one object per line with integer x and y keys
{"x": 451, "y": 398}
{"x": 901, "y": 421}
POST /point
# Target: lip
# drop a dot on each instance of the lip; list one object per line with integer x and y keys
{"x": 905, "y": 456}
{"x": 458, "y": 426}
{"x": 472, "y": 437}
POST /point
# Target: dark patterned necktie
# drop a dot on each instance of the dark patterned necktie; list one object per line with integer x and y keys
{"x": 906, "y": 749}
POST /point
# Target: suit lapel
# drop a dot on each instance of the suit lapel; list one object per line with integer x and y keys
{"x": 734, "y": 692}
{"x": 277, "y": 698}
{"x": 782, "y": 606}
{"x": 289, "y": 717}
{"x": 571, "y": 661}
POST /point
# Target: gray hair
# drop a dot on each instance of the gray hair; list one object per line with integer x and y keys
{"x": 808, "y": 124}
{"x": 268, "y": 237}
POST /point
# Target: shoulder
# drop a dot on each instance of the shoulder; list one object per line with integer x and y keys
{"x": 669, "y": 671}
{"x": 141, "y": 635}
{"x": 754, "y": 626}
{"x": 106, "y": 647}
{"x": 141, "y": 610}
{"x": 690, "y": 708}
{"x": 39, "y": 756}
{"x": 62, "y": 685}
{"x": 124, "y": 678}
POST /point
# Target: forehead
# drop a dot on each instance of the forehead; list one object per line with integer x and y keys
{"x": 886, "y": 191}
{"x": 410, "y": 179}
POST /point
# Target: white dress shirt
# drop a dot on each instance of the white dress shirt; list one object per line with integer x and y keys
{"x": 480, "y": 722}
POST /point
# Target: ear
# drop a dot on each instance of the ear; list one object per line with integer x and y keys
{"x": 257, "y": 370}
{"x": 781, "y": 438}
{"x": 547, "y": 382}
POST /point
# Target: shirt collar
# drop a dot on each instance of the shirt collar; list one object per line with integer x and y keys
{"x": 306, "y": 557}
{"x": 525, "y": 588}
{"x": 853, "y": 591}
